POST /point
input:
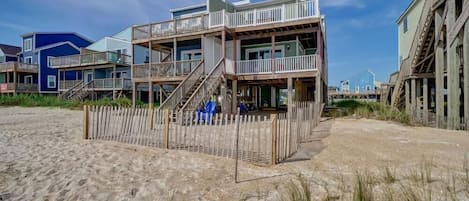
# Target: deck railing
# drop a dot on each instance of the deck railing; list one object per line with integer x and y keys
{"x": 282, "y": 65}
{"x": 165, "y": 69}
{"x": 275, "y": 14}
{"x": 106, "y": 83}
{"x": 16, "y": 66}
{"x": 18, "y": 87}
{"x": 90, "y": 59}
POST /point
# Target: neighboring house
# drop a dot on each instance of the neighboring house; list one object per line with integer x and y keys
{"x": 361, "y": 83}
{"x": 408, "y": 23}
{"x": 16, "y": 77}
{"x": 39, "y": 48}
{"x": 264, "y": 54}
{"x": 9, "y": 53}
{"x": 105, "y": 66}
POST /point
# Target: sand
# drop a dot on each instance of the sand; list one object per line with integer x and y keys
{"x": 43, "y": 157}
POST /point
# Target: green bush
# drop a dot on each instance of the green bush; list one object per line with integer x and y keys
{"x": 23, "y": 100}
{"x": 371, "y": 110}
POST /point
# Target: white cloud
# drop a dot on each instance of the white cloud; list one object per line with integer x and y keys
{"x": 343, "y": 3}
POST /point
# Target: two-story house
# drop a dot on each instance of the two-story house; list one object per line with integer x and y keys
{"x": 39, "y": 48}
{"x": 266, "y": 54}
{"x": 16, "y": 77}
{"x": 105, "y": 66}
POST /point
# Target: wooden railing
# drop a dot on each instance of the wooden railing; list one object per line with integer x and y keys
{"x": 275, "y": 14}
{"x": 206, "y": 88}
{"x": 90, "y": 59}
{"x": 183, "y": 88}
{"x": 106, "y": 83}
{"x": 18, "y": 87}
{"x": 261, "y": 139}
{"x": 282, "y": 65}
{"x": 165, "y": 69}
{"x": 17, "y": 66}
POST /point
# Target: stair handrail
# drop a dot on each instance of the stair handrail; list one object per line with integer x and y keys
{"x": 66, "y": 94}
{"x": 81, "y": 88}
{"x": 206, "y": 88}
{"x": 178, "y": 94}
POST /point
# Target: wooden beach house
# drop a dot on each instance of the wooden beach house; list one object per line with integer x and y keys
{"x": 263, "y": 54}
{"x": 102, "y": 69}
{"x": 16, "y": 77}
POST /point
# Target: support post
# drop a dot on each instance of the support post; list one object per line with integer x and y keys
{"x": 439, "y": 70}
{"x": 466, "y": 72}
{"x": 273, "y": 118}
{"x": 134, "y": 93}
{"x": 407, "y": 97}
{"x": 175, "y": 55}
{"x": 413, "y": 97}
{"x": 452, "y": 70}
{"x": 151, "y": 116}
{"x": 113, "y": 83}
{"x": 223, "y": 49}
{"x": 425, "y": 100}
{"x": 85, "y": 122}
{"x": 160, "y": 90}
{"x": 166, "y": 128}
{"x": 290, "y": 94}
{"x": 15, "y": 80}
{"x": 272, "y": 52}
{"x": 234, "y": 96}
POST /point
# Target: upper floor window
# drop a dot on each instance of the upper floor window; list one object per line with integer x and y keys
{"x": 28, "y": 44}
{"x": 49, "y": 61}
{"x": 406, "y": 25}
{"x": 28, "y": 60}
{"x": 2, "y": 59}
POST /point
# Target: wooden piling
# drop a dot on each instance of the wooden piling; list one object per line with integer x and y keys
{"x": 85, "y": 122}
{"x": 273, "y": 118}
{"x": 166, "y": 128}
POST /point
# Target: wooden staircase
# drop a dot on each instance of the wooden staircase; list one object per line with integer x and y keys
{"x": 81, "y": 93}
{"x": 418, "y": 45}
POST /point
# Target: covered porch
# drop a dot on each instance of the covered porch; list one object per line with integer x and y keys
{"x": 18, "y": 77}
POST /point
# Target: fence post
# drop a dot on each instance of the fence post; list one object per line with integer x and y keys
{"x": 85, "y": 122}
{"x": 273, "y": 118}
{"x": 166, "y": 128}
{"x": 152, "y": 125}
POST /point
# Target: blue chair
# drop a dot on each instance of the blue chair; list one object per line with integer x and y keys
{"x": 207, "y": 113}
{"x": 243, "y": 109}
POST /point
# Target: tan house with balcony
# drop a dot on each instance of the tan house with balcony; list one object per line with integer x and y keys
{"x": 16, "y": 77}
{"x": 265, "y": 55}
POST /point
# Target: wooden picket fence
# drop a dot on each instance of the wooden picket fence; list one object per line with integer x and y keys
{"x": 256, "y": 138}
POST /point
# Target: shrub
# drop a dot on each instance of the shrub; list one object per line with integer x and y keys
{"x": 370, "y": 110}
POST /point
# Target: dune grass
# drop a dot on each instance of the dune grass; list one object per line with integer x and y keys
{"x": 370, "y": 110}
{"x": 23, "y": 100}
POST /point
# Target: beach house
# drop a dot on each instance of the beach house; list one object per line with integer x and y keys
{"x": 104, "y": 66}
{"x": 40, "y": 47}
{"x": 16, "y": 77}
{"x": 432, "y": 85}
{"x": 263, "y": 54}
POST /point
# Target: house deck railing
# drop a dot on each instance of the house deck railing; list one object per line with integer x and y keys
{"x": 97, "y": 58}
{"x": 255, "y": 17}
{"x": 282, "y": 65}
{"x": 106, "y": 83}
{"x": 17, "y": 66}
{"x": 18, "y": 87}
{"x": 164, "y": 69}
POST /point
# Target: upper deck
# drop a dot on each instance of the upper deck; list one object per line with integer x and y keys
{"x": 18, "y": 67}
{"x": 90, "y": 59}
{"x": 280, "y": 15}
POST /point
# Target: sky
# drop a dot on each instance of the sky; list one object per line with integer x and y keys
{"x": 361, "y": 34}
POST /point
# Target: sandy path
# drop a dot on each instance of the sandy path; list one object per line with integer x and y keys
{"x": 42, "y": 157}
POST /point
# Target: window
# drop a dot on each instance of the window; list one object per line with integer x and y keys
{"x": 48, "y": 61}
{"x": 28, "y": 60}
{"x": 51, "y": 81}
{"x": 28, "y": 79}
{"x": 264, "y": 53}
{"x": 406, "y": 25}
{"x": 28, "y": 44}
{"x": 368, "y": 88}
{"x": 2, "y": 59}
{"x": 188, "y": 55}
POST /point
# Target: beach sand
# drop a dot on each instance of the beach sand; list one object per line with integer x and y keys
{"x": 43, "y": 157}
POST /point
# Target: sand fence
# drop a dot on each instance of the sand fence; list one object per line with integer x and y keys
{"x": 258, "y": 139}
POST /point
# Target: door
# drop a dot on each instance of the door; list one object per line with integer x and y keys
{"x": 190, "y": 55}
{"x": 88, "y": 77}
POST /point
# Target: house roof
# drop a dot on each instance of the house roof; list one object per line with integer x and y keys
{"x": 262, "y": 3}
{"x": 9, "y": 49}
{"x": 187, "y": 7}
{"x": 74, "y": 33}
{"x": 407, "y": 10}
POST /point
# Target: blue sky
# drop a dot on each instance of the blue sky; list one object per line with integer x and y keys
{"x": 362, "y": 34}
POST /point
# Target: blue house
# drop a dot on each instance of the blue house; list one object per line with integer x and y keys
{"x": 361, "y": 83}
{"x": 8, "y": 53}
{"x": 39, "y": 48}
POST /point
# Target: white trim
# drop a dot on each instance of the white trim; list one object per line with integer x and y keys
{"x": 192, "y": 14}
{"x": 52, "y": 33}
{"x": 188, "y": 7}
{"x": 28, "y": 76}
{"x": 25, "y": 41}
{"x": 57, "y": 45}
{"x": 48, "y": 81}
{"x": 28, "y": 57}
{"x": 48, "y": 60}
